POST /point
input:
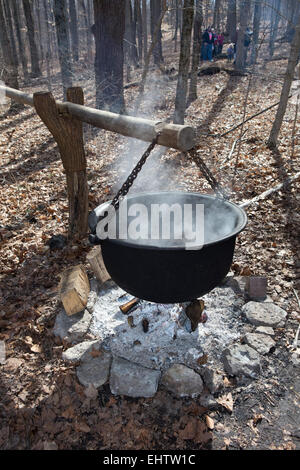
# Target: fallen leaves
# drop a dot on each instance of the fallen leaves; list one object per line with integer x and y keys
{"x": 196, "y": 431}
{"x": 226, "y": 401}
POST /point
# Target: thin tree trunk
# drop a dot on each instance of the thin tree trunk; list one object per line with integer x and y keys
{"x": 216, "y": 19}
{"x": 35, "y": 67}
{"x": 240, "y": 62}
{"x": 109, "y": 35}
{"x": 145, "y": 28}
{"x": 63, "y": 44}
{"x": 74, "y": 30}
{"x": 231, "y": 19}
{"x": 8, "y": 15}
{"x": 139, "y": 29}
{"x": 274, "y": 28}
{"x": 184, "y": 61}
{"x": 256, "y": 27}
{"x": 88, "y": 26}
{"x": 289, "y": 76}
{"x": 21, "y": 45}
{"x": 155, "y": 8}
{"x": 10, "y": 73}
{"x": 197, "y": 35}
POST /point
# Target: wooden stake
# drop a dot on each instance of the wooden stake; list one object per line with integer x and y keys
{"x": 68, "y": 135}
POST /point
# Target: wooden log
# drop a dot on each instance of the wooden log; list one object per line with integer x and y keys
{"x": 172, "y": 135}
{"x": 68, "y": 134}
{"x": 94, "y": 257}
{"x": 74, "y": 289}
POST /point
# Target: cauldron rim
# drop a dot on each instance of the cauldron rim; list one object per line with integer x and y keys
{"x": 236, "y": 208}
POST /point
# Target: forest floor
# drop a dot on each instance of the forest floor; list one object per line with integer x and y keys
{"x": 42, "y": 404}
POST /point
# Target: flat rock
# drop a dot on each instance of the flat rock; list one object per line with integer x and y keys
{"x": 260, "y": 342}
{"x": 133, "y": 380}
{"x": 182, "y": 381}
{"x": 264, "y": 314}
{"x": 80, "y": 351}
{"x": 265, "y": 330}
{"x": 72, "y": 328}
{"x": 241, "y": 360}
{"x": 94, "y": 370}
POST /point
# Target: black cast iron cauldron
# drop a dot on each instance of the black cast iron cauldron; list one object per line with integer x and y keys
{"x": 164, "y": 271}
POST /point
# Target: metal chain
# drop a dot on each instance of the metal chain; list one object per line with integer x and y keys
{"x": 133, "y": 175}
{"x": 207, "y": 173}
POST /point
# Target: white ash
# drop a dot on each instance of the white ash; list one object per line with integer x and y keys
{"x": 166, "y": 341}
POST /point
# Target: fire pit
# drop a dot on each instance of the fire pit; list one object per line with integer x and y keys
{"x": 170, "y": 270}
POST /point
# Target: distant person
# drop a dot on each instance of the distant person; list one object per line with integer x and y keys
{"x": 207, "y": 44}
{"x": 230, "y": 52}
{"x": 220, "y": 43}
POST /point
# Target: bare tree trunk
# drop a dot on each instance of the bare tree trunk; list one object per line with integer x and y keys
{"x": 88, "y": 29}
{"x": 139, "y": 29}
{"x": 289, "y": 76}
{"x": 274, "y": 27}
{"x": 63, "y": 44}
{"x": 216, "y": 19}
{"x": 109, "y": 34}
{"x": 231, "y": 19}
{"x": 145, "y": 28}
{"x": 196, "y": 50}
{"x": 155, "y": 9}
{"x": 21, "y": 44}
{"x": 10, "y": 73}
{"x": 74, "y": 30}
{"x": 240, "y": 62}
{"x": 184, "y": 61}
{"x": 35, "y": 67}
{"x": 256, "y": 27}
{"x": 8, "y": 15}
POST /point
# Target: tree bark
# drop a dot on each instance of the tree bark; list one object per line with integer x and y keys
{"x": 8, "y": 15}
{"x": 197, "y": 35}
{"x": 231, "y": 19}
{"x": 10, "y": 73}
{"x": 35, "y": 67}
{"x": 216, "y": 19}
{"x": 184, "y": 61}
{"x": 145, "y": 28}
{"x": 63, "y": 44}
{"x": 69, "y": 137}
{"x": 139, "y": 29}
{"x": 240, "y": 62}
{"x": 21, "y": 44}
{"x": 274, "y": 27}
{"x": 109, "y": 34}
{"x": 289, "y": 76}
{"x": 155, "y": 10}
{"x": 74, "y": 30}
{"x": 256, "y": 28}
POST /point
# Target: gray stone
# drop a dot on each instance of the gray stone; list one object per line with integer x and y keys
{"x": 264, "y": 314}
{"x": 72, "y": 328}
{"x": 94, "y": 370}
{"x": 80, "y": 350}
{"x": 260, "y": 342}
{"x": 212, "y": 379}
{"x": 265, "y": 330}
{"x": 93, "y": 295}
{"x": 241, "y": 360}
{"x": 133, "y": 380}
{"x": 182, "y": 381}
{"x": 256, "y": 288}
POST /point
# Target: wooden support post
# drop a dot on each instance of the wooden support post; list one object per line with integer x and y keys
{"x": 68, "y": 135}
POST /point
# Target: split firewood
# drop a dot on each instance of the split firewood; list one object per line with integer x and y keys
{"x": 74, "y": 289}
{"x": 194, "y": 311}
{"x": 96, "y": 262}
